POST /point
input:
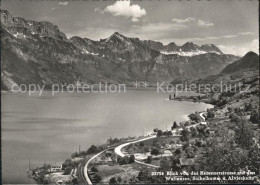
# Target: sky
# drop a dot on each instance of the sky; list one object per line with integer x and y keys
{"x": 232, "y": 25}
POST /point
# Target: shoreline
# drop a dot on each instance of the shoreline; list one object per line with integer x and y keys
{"x": 151, "y": 132}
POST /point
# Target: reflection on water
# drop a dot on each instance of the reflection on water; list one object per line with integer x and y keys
{"x": 49, "y": 128}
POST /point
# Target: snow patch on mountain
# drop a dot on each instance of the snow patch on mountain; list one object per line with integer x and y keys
{"x": 87, "y": 52}
{"x": 188, "y": 54}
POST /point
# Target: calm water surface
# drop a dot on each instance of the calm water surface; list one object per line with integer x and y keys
{"x": 50, "y": 128}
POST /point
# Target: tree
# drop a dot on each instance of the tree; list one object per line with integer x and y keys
{"x": 119, "y": 179}
{"x": 67, "y": 170}
{"x": 185, "y": 135}
{"x": 67, "y": 162}
{"x": 92, "y": 149}
{"x": 185, "y": 145}
{"x": 193, "y": 131}
{"x": 176, "y": 165}
{"x": 155, "y": 151}
{"x": 178, "y": 151}
{"x": 174, "y": 125}
{"x": 142, "y": 176}
{"x": 201, "y": 130}
{"x": 159, "y": 133}
{"x": 131, "y": 159}
{"x": 141, "y": 144}
{"x": 149, "y": 159}
{"x": 194, "y": 117}
{"x": 123, "y": 160}
{"x": 113, "y": 180}
{"x": 210, "y": 114}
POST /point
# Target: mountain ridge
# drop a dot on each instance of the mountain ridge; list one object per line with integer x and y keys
{"x": 38, "y": 52}
{"x": 249, "y": 60}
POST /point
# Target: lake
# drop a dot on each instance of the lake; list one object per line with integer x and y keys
{"x": 47, "y": 129}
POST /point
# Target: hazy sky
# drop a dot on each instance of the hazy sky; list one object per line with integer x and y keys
{"x": 232, "y": 25}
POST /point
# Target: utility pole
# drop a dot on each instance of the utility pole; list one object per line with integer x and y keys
{"x": 79, "y": 149}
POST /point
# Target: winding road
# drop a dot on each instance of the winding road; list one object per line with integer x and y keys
{"x": 83, "y": 173}
{"x": 119, "y": 148}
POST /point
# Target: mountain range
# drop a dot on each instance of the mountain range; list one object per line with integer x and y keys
{"x": 38, "y": 52}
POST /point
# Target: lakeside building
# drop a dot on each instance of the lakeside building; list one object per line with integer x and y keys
{"x": 56, "y": 167}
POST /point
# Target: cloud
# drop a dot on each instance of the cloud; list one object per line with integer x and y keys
{"x": 205, "y": 23}
{"x": 246, "y": 33}
{"x": 189, "y": 19}
{"x": 213, "y": 38}
{"x": 54, "y": 8}
{"x": 193, "y": 20}
{"x": 229, "y": 36}
{"x": 161, "y": 26}
{"x": 241, "y": 50}
{"x": 123, "y": 8}
{"x": 221, "y": 37}
{"x": 65, "y": 3}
